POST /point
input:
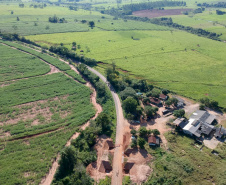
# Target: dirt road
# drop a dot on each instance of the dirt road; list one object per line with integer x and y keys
{"x": 118, "y": 154}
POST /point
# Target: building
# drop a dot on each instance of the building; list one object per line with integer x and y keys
{"x": 220, "y": 132}
{"x": 199, "y": 123}
{"x": 153, "y": 140}
{"x": 180, "y": 122}
{"x": 105, "y": 167}
{"x": 163, "y": 97}
{"x": 155, "y": 101}
{"x": 180, "y": 102}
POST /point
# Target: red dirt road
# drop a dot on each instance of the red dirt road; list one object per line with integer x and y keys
{"x": 159, "y": 13}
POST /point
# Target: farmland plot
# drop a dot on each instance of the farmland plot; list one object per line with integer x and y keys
{"x": 176, "y": 60}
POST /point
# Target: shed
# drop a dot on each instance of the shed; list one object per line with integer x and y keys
{"x": 180, "y": 122}
{"x": 163, "y": 97}
{"x": 110, "y": 144}
{"x": 153, "y": 140}
{"x": 128, "y": 166}
{"x": 155, "y": 101}
{"x": 105, "y": 167}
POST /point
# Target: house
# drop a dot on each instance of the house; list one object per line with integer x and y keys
{"x": 199, "y": 123}
{"x": 109, "y": 145}
{"x": 128, "y": 166}
{"x": 220, "y": 132}
{"x": 180, "y": 122}
{"x": 155, "y": 101}
{"x": 153, "y": 140}
{"x": 163, "y": 97}
{"x": 105, "y": 167}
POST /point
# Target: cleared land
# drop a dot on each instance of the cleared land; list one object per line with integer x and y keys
{"x": 38, "y": 116}
{"x": 184, "y": 63}
{"x": 159, "y": 13}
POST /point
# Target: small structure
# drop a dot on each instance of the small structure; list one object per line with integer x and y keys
{"x": 105, "y": 167}
{"x": 155, "y": 101}
{"x": 153, "y": 140}
{"x": 220, "y": 132}
{"x": 163, "y": 97}
{"x": 128, "y": 166}
{"x": 110, "y": 145}
{"x": 199, "y": 123}
{"x": 180, "y": 102}
{"x": 180, "y": 122}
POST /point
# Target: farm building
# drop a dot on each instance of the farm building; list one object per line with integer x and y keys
{"x": 180, "y": 102}
{"x": 128, "y": 166}
{"x": 199, "y": 123}
{"x": 220, "y": 132}
{"x": 163, "y": 97}
{"x": 155, "y": 101}
{"x": 109, "y": 145}
{"x": 105, "y": 167}
{"x": 153, "y": 140}
{"x": 180, "y": 122}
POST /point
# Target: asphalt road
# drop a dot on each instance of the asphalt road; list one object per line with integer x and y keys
{"x": 118, "y": 153}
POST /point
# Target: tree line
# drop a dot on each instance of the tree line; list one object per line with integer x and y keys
{"x": 128, "y": 9}
{"x": 217, "y": 5}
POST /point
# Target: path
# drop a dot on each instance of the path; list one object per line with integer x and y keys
{"x": 118, "y": 159}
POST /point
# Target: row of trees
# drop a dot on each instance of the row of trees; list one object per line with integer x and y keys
{"x": 216, "y": 5}
{"x": 219, "y": 12}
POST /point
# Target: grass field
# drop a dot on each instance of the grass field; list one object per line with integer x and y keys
{"x": 185, "y": 163}
{"x": 24, "y": 66}
{"x": 184, "y": 63}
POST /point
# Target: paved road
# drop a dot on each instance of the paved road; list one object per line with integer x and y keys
{"x": 118, "y": 159}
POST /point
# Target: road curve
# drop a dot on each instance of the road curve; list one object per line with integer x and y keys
{"x": 118, "y": 154}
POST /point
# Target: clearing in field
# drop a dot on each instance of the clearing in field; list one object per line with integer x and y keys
{"x": 159, "y": 13}
{"x": 181, "y": 62}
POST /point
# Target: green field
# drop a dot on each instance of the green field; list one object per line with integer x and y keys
{"x": 181, "y": 62}
{"x": 24, "y": 66}
{"x": 185, "y": 163}
{"x": 51, "y": 105}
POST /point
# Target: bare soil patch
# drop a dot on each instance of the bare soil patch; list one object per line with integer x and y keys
{"x": 39, "y": 112}
{"x": 95, "y": 170}
{"x": 159, "y": 13}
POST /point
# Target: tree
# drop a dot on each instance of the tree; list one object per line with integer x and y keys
{"x": 134, "y": 143}
{"x": 91, "y": 24}
{"x": 67, "y": 162}
{"x": 165, "y": 91}
{"x": 143, "y": 132}
{"x": 141, "y": 142}
{"x": 74, "y": 44}
{"x": 130, "y": 105}
{"x": 150, "y": 111}
{"x": 155, "y": 132}
{"x": 18, "y": 19}
{"x": 174, "y": 101}
{"x": 12, "y": 12}
{"x": 201, "y": 107}
{"x": 179, "y": 113}
{"x": 104, "y": 121}
{"x": 155, "y": 93}
{"x": 128, "y": 91}
{"x": 146, "y": 100}
{"x": 133, "y": 132}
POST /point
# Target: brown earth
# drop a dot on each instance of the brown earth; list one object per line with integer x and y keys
{"x": 29, "y": 111}
{"x": 159, "y": 13}
{"x": 103, "y": 154}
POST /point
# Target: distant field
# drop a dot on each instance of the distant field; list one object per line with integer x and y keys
{"x": 187, "y": 64}
{"x": 159, "y": 13}
{"x": 24, "y": 65}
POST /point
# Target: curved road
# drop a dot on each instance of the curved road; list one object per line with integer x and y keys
{"x": 118, "y": 159}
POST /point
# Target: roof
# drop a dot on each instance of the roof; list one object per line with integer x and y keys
{"x": 200, "y": 120}
{"x": 155, "y": 100}
{"x": 163, "y": 96}
{"x": 220, "y": 132}
{"x": 139, "y": 93}
{"x": 106, "y": 165}
{"x": 128, "y": 165}
{"x": 181, "y": 122}
{"x": 153, "y": 139}
{"x": 110, "y": 144}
